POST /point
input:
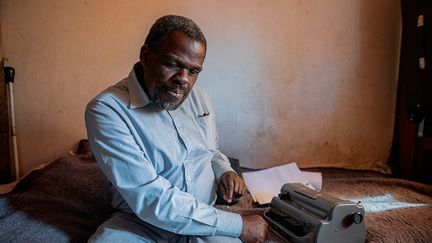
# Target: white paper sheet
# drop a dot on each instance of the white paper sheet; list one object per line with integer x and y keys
{"x": 265, "y": 184}
{"x": 315, "y": 179}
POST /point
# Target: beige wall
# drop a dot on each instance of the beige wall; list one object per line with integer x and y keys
{"x": 311, "y": 81}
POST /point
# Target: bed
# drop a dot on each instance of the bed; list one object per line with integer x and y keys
{"x": 66, "y": 200}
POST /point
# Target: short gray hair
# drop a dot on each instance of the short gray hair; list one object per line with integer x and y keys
{"x": 166, "y": 25}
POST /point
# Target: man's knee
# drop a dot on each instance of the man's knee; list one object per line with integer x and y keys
{"x": 109, "y": 235}
{"x": 214, "y": 239}
{"x": 122, "y": 227}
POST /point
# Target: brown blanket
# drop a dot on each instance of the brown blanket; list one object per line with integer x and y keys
{"x": 66, "y": 201}
{"x": 63, "y": 202}
{"x": 396, "y": 210}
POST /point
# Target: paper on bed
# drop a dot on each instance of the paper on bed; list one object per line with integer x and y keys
{"x": 265, "y": 184}
{"x": 315, "y": 179}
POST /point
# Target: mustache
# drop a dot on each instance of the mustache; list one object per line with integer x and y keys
{"x": 175, "y": 88}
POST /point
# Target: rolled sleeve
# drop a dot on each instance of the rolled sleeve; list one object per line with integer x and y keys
{"x": 229, "y": 224}
{"x": 221, "y": 165}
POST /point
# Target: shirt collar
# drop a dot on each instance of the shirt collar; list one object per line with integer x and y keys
{"x": 137, "y": 95}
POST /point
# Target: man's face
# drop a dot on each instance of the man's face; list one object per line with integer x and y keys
{"x": 171, "y": 72}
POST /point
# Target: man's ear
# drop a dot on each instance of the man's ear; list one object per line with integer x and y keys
{"x": 144, "y": 52}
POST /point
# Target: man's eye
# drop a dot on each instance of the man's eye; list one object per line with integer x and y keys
{"x": 194, "y": 71}
{"x": 170, "y": 64}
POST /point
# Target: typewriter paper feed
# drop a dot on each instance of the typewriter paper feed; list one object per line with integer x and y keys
{"x": 266, "y": 184}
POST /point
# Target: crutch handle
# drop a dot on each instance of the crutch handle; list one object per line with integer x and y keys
{"x": 9, "y": 74}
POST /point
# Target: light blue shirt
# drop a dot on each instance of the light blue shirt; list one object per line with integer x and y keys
{"x": 163, "y": 165}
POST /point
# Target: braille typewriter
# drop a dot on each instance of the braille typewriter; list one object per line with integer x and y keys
{"x": 300, "y": 214}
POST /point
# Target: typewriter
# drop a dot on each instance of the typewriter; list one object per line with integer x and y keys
{"x": 300, "y": 214}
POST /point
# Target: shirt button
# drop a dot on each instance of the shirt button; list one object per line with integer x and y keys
{"x": 180, "y": 127}
{"x": 189, "y": 178}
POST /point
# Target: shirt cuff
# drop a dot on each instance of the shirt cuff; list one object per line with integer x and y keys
{"x": 229, "y": 224}
{"x": 220, "y": 167}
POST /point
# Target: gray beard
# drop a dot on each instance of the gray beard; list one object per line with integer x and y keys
{"x": 166, "y": 105}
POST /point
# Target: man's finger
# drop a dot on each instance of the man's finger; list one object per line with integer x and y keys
{"x": 244, "y": 190}
{"x": 237, "y": 187}
{"x": 222, "y": 189}
{"x": 230, "y": 189}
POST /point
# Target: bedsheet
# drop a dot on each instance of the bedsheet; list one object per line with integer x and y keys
{"x": 68, "y": 199}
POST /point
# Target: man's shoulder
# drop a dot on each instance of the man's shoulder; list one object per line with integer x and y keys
{"x": 117, "y": 94}
{"x": 198, "y": 88}
{"x": 198, "y": 99}
{"x": 199, "y": 92}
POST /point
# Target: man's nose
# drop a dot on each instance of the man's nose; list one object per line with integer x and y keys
{"x": 182, "y": 76}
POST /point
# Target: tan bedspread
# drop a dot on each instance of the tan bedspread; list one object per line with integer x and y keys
{"x": 396, "y": 210}
{"x": 67, "y": 200}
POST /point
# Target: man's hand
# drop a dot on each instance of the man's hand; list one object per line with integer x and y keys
{"x": 231, "y": 187}
{"x": 254, "y": 229}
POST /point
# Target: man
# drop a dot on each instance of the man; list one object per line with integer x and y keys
{"x": 154, "y": 137}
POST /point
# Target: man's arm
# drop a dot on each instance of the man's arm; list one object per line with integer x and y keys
{"x": 150, "y": 196}
{"x": 230, "y": 186}
{"x": 229, "y": 183}
{"x": 255, "y": 228}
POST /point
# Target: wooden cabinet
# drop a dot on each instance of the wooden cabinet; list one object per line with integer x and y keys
{"x": 411, "y": 156}
{"x": 422, "y": 163}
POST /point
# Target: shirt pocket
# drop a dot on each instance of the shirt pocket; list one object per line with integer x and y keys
{"x": 207, "y": 130}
